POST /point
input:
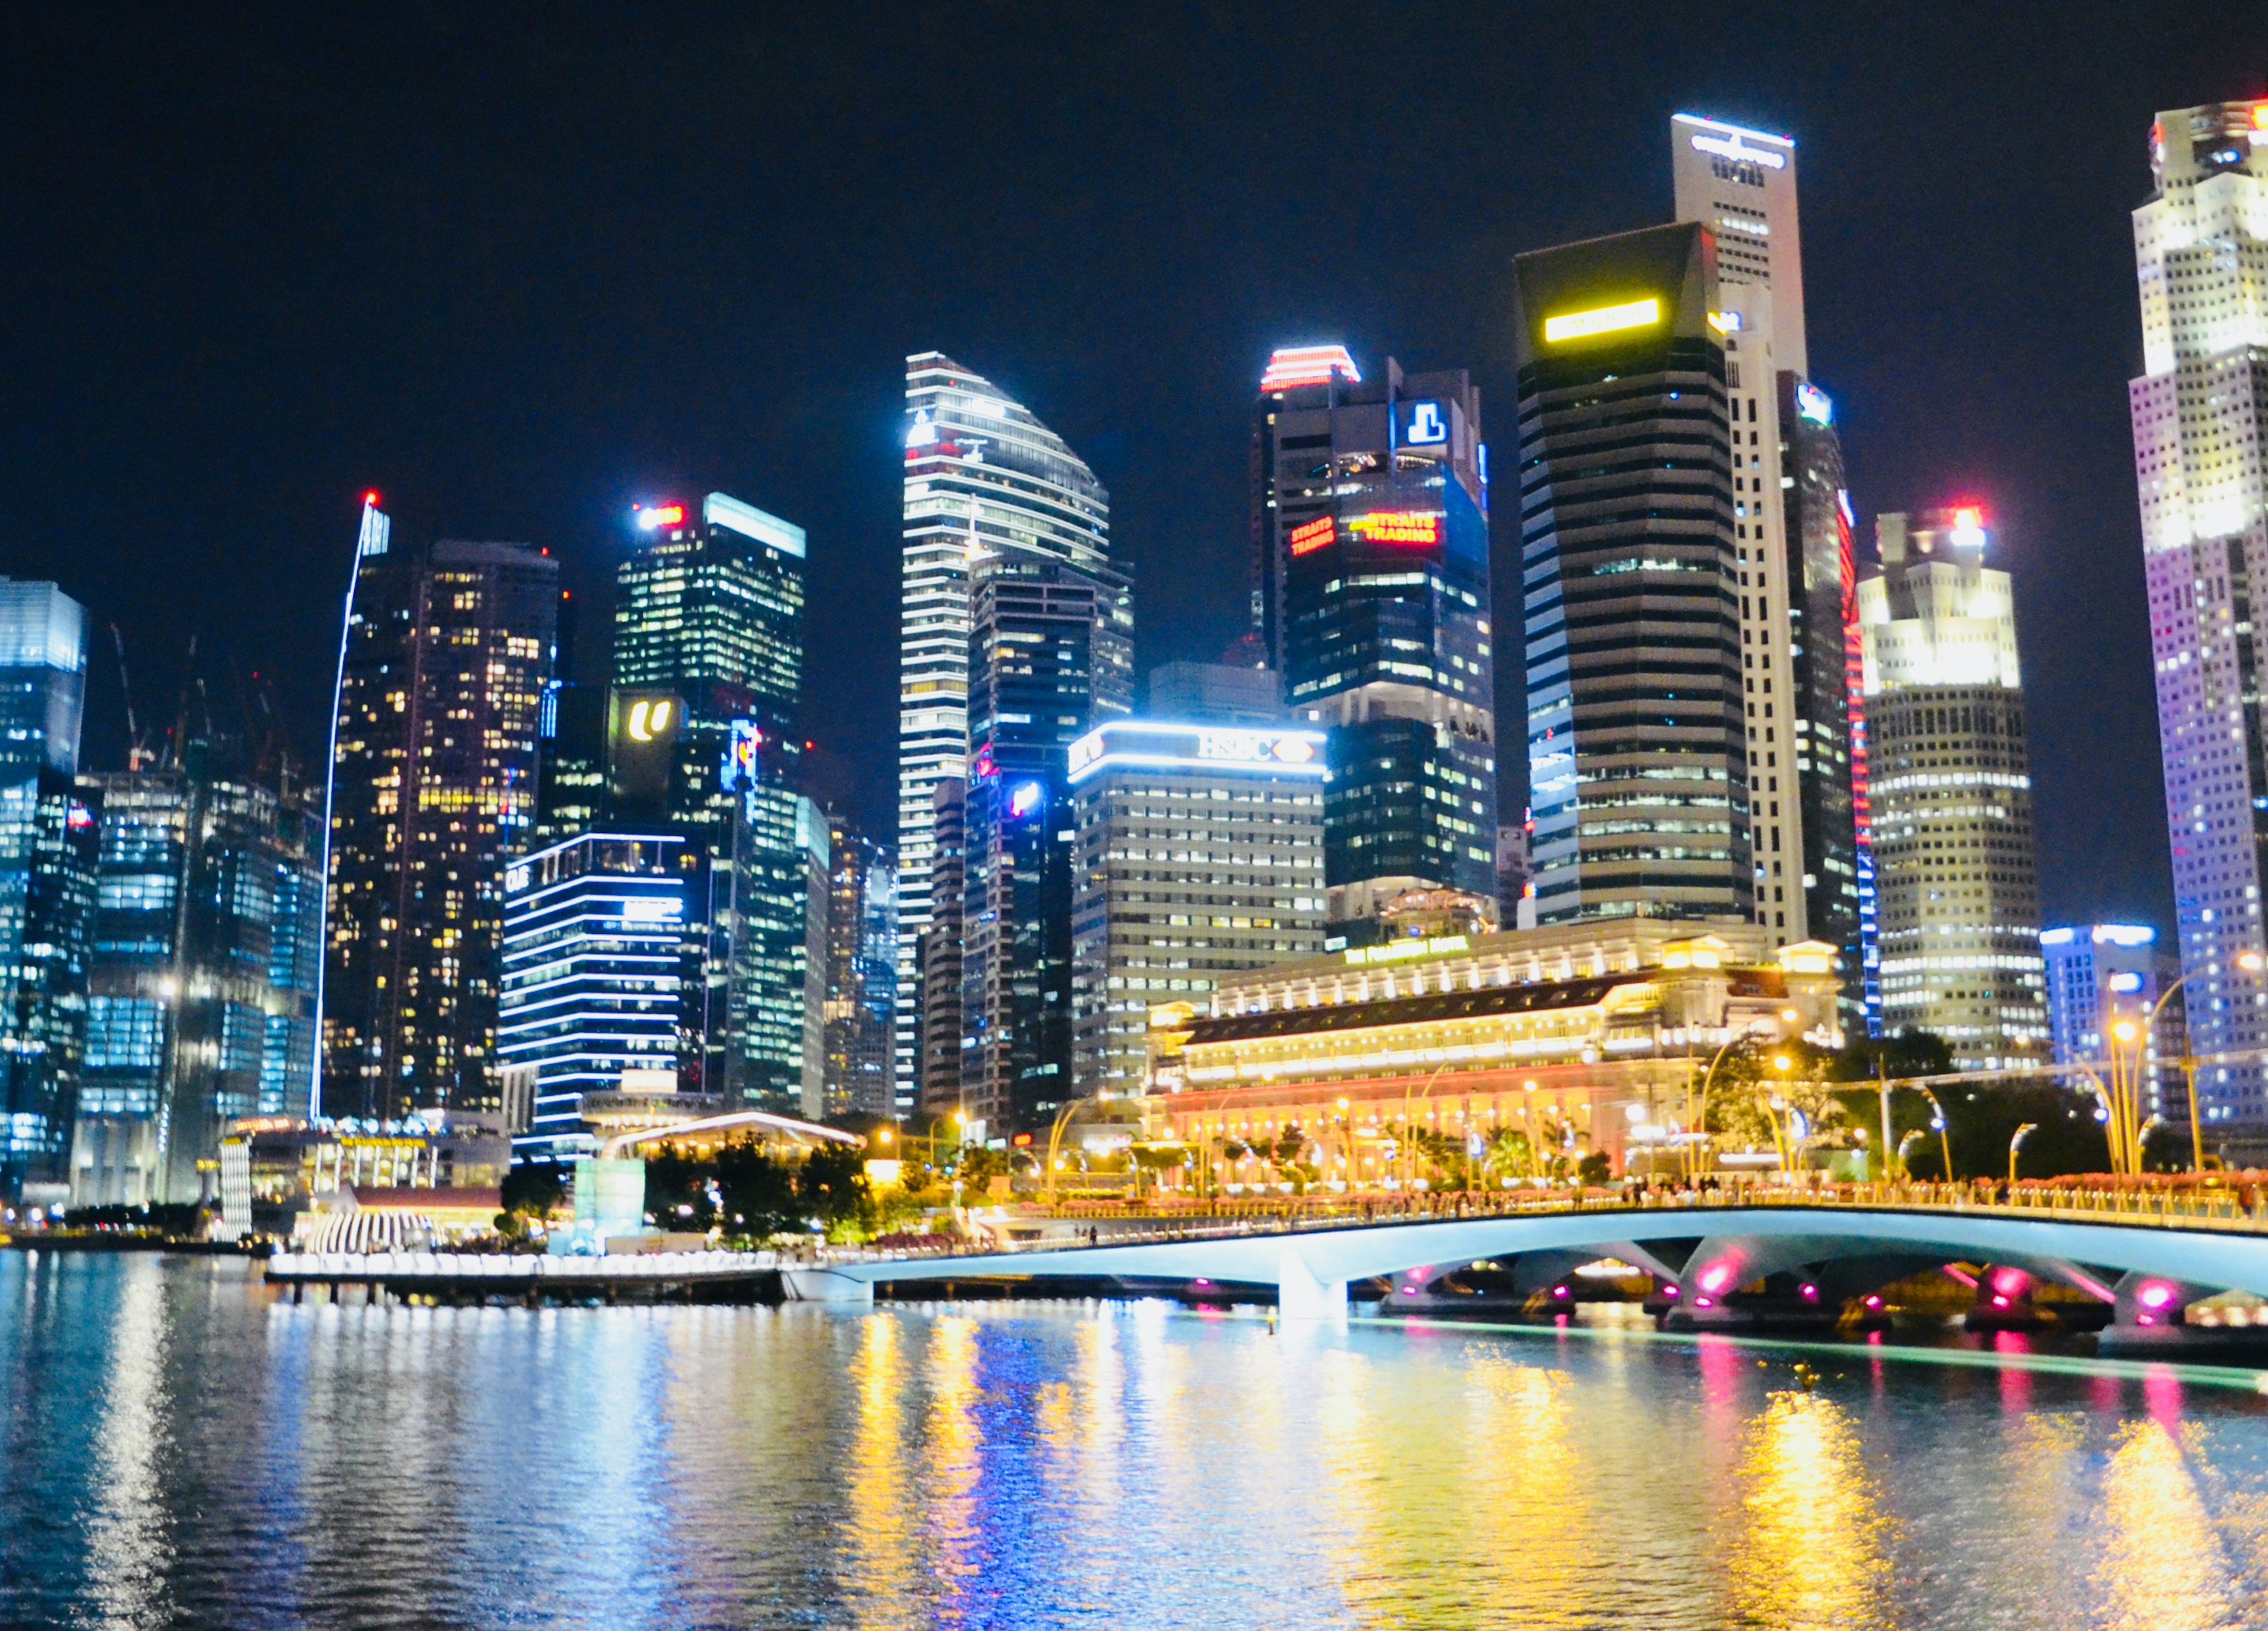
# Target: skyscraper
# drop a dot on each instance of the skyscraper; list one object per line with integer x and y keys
{"x": 702, "y": 740}
{"x": 1049, "y": 658}
{"x": 1950, "y": 781}
{"x": 206, "y": 946}
{"x": 1199, "y": 853}
{"x": 2201, "y": 260}
{"x": 44, "y": 879}
{"x": 446, "y": 655}
{"x": 1638, "y": 747}
{"x": 937, "y": 1003}
{"x": 982, "y": 477}
{"x": 1791, "y": 536}
{"x": 1371, "y": 505}
{"x": 2099, "y": 973}
{"x": 862, "y": 976}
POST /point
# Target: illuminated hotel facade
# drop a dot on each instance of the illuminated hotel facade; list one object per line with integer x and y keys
{"x": 983, "y": 476}
{"x": 1372, "y": 596}
{"x": 1792, "y": 542}
{"x": 1639, "y": 772}
{"x": 2201, "y": 263}
{"x": 1199, "y": 853}
{"x": 1950, "y": 783}
{"x": 447, "y": 653}
{"x": 1588, "y": 1037}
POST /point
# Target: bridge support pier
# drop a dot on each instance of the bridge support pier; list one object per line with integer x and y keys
{"x": 824, "y": 1284}
{"x": 1300, "y": 1295}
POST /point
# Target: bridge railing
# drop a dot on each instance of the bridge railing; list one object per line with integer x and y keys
{"x": 2222, "y": 1211}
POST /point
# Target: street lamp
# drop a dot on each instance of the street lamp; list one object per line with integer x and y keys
{"x": 2251, "y": 963}
{"x": 2030, "y": 1126}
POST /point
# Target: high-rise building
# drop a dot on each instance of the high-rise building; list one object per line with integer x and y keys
{"x": 2098, "y": 974}
{"x": 862, "y": 976}
{"x": 1791, "y": 537}
{"x": 2201, "y": 260}
{"x": 206, "y": 949}
{"x": 1951, "y": 782}
{"x": 1199, "y": 853}
{"x": 938, "y": 957}
{"x": 43, "y": 880}
{"x": 1049, "y": 658}
{"x": 1639, "y": 763}
{"x": 703, "y": 741}
{"x": 446, "y": 655}
{"x": 1218, "y": 693}
{"x": 1372, "y": 504}
{"x": 593, "y": 958}
{"x": 983, "y": 478}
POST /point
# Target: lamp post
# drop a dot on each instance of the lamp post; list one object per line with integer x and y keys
{"x": 1937, "y": 1120}
{"x": 2030, "y": 1126}
{"x": 2251, "y": 963}
{"x": 1698, "y": 1120}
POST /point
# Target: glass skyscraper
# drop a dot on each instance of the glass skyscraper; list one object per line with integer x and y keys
{"x": 2200, "y": 417}
{"x": 44, "y": 878}
{"x": 983, "y": 477}
{"x": 1373, "y": 598}
{"x": 702, "y": 740}
{"x": 1638, "y": 748}
{"x": 448, "y": 654}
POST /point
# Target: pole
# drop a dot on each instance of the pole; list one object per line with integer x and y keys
{"x": 1883, "y": 1087}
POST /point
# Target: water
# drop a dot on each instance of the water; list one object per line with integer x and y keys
{"x": 180, "y": 1450}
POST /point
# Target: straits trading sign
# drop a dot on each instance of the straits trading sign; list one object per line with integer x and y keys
{"x": 1167, "y": 745}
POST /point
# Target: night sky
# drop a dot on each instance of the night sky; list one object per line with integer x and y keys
{"x": 519, "y": 268}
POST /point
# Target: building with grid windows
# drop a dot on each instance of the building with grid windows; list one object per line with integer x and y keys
{"x": 1198, "y": 853}
{"x": 1949, "y": 779}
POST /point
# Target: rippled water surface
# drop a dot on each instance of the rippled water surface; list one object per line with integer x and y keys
{"x": 180, "y": 1450}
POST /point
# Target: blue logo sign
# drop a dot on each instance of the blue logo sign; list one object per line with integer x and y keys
{"x": 1427, "y": 428}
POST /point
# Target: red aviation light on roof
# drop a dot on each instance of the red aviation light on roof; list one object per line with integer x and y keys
{"x": 1314, "y": 534}
{"x": 1309, "y": 364}
{"x": 369, "y": 499}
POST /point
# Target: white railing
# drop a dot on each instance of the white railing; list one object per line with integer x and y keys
{"x": 515, "y": 1265}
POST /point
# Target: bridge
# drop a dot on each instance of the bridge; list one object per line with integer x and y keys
{"x": 2146, "y": 1258}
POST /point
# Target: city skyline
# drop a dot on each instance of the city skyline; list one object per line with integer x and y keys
{"x": 1044, "y": 355}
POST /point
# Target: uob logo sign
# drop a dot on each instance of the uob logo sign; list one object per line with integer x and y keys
{"x": 1427, "y": 428}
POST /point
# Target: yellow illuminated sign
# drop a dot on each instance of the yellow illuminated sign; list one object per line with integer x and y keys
{"x": 1398, "y": 950}
{"x": 649, "y": 720}
{"x": 1601, "y": 320}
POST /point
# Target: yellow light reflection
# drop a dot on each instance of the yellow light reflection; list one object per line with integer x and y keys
{"x": 1812, "y": 1552}
{"x": 954, "y": 1442}
{"x": 881, "y": 1529}
{"x": 2162, "y": 1566}
{"x": 125, "y": 1540}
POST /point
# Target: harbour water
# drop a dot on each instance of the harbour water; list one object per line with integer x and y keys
{"x": 180, "y": 1449}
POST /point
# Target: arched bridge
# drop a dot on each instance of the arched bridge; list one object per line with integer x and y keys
{"x": 2149, "y": 1268}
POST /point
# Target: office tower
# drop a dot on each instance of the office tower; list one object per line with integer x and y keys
{"x": 1951, "y": 782}
{"x": 593, "y": 958}
{"x": 1199, "y": 851}
{"x": 2098, "y": 974}
{"x": 983, "y": 477}
{"x": 703, "y": 741}
{"x": 1515, "y": 899}
{"x": 2201, "y": 260}
{"x": 1790, "y": 536}
{"x": 862, "y": 976}
{"x": 206, "y": 947}
{"x": 1638, "y": 746}
{"x": 447, "y": 653}
{"x": 1371, "y": 505}
{"x": 1049, "y": 660}
{"x": 937, "y": 956}
{"x": 1217, "y": 693}
{"x": 42, "y": 690}
{"x": 570, "y": 795}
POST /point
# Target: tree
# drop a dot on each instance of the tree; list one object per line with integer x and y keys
{"x": 833, "y": 1189}
{"x": 534, "y": 1188}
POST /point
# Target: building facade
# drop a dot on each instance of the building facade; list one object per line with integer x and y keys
{"x": 42, "y": 880}
{"x": 1198, "y": 853}
{"x": 703, "y": 722}
{"x": 1949, "y": 781}
{"x": 446, "y": 656}
{"x": 205, "y": 952}
{"x": 593, "y": 961}
{"x": 862, "y": 976}
{"x": 984, "y": 479}
{"x": 1640, "y": 780}
{"x": 937, "y": 956}
{"x": 2201, "y": 263}
{"x": 1374, "y": 500}
{"x": 2099, "y": 974}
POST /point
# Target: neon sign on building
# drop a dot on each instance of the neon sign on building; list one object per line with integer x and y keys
{"x": 1398, "y": 527}
{"x": 1314, "y": 534}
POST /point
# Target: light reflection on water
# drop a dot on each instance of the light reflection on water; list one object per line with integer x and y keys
{"x": 179, "y": 1449}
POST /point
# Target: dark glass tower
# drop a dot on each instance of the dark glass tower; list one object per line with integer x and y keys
{"x": 1373, "y": 505}
{"x": 446, "y": 657}
{"x": 1048, "y": 657}
{"x": 703, "y": 742}
{"x": 1637, "y": 760}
